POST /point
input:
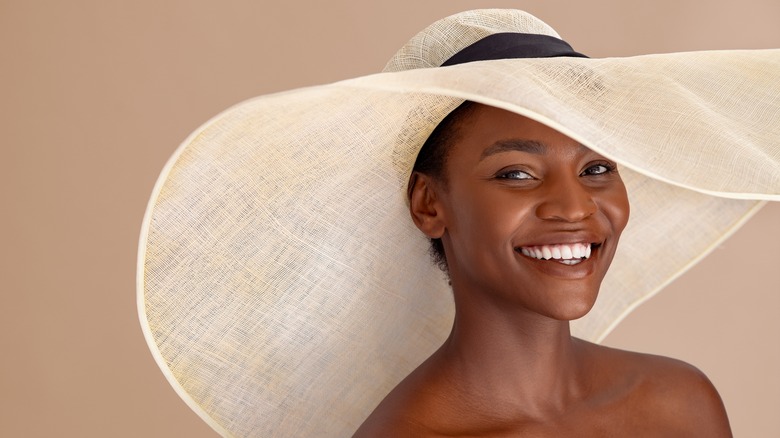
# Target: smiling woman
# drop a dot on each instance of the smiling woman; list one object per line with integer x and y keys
{"x": 285, "y": 291}
{"x": 530, "y": 221}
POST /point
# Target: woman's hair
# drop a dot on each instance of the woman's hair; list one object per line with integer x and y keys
{"x": 432, "y": 161}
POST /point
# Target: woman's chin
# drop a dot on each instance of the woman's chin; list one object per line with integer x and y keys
{"x": 573, "y": 312}
{"x": 573, "y": 306}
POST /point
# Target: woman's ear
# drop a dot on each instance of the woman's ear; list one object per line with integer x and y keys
{"x": 425, "y": 206}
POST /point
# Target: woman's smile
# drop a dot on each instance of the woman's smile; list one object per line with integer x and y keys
{"x": 571, "y": 261}
{"x": 566, "y": 253}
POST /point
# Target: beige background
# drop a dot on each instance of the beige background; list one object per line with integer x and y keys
{"x": 95, "y": 95}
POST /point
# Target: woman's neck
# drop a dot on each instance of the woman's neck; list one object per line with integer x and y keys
{"x": 524, "y": 363}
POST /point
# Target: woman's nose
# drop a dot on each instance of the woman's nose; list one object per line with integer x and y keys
{"x": 566, "y": 199}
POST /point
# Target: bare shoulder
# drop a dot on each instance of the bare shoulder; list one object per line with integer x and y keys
{"x": 685, "y": 397}
{"x": 402, "y": 411}
{"x": 391, "y": 418}
{"x": 669, "y": 391}
{"x": 381, "y": 426}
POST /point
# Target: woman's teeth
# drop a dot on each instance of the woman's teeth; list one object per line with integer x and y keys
{"x": 569, "y": 254}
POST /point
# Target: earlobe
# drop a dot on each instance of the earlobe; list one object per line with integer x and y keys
{"x": 424, "y": 205}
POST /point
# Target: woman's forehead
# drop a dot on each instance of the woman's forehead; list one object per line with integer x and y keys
{"x": 489, "y": 131}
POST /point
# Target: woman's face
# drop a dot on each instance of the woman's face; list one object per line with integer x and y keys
{"x": 528, "y": 216}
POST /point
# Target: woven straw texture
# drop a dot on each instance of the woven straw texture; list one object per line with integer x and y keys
{"x": 284, "y": 289}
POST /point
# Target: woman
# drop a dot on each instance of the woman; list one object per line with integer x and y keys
{"x": 529, "y": 221}
{"x": 284, "y": 291}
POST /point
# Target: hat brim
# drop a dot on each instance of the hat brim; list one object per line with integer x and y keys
{"x": 283, "y": 288}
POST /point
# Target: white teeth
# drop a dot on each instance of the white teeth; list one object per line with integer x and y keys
{"x": 570, "y": 262}
{"x": 570, "y": 254}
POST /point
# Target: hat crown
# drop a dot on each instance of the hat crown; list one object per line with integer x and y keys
{"x": 448, "y": 36}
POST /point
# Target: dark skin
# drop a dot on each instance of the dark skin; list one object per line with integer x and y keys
{"x": 510, "y": 366}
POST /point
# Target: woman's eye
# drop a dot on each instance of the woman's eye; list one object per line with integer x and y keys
{"x": 598, "y": 169}
{"x": 514, "y": 174}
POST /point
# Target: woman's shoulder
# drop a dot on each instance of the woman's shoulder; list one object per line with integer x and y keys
{"x": 659, "y": 375}
{"x": 670, "y": 391}
{"x": 400, "y": 412}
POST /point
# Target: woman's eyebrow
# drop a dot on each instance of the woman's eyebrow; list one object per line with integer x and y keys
{"x": 514, "y": 144}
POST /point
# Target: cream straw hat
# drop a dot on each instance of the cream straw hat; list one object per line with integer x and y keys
{"x": 282, "y": 287}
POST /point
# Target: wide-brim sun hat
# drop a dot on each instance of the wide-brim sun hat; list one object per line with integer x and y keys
{"x": 282, "y": 287}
